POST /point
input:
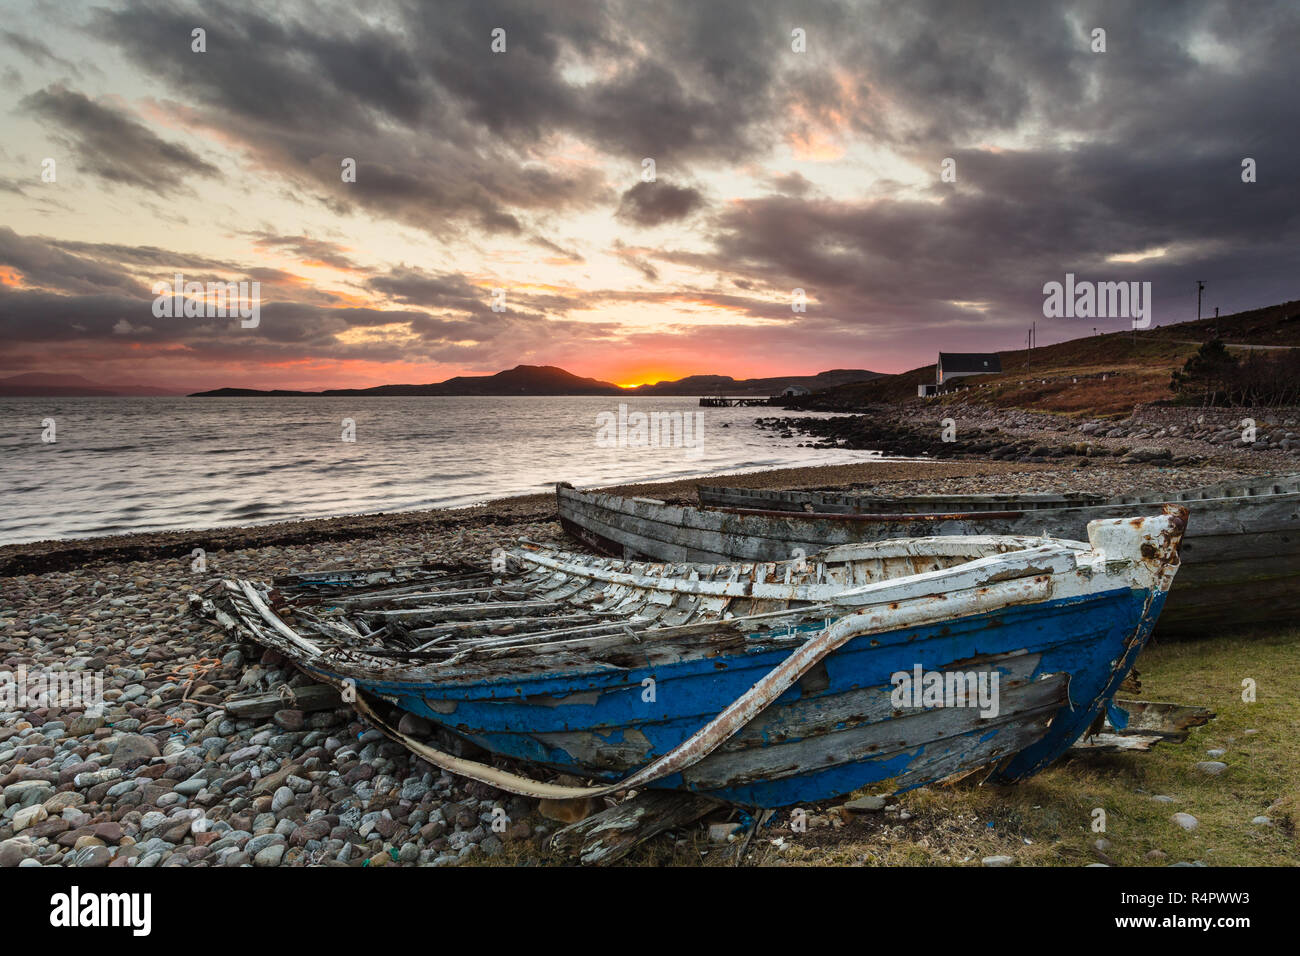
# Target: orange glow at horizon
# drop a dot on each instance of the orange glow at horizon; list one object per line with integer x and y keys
{"x": 628, "y": 367}
{"x": 631, "y": 376}
{"x": 649, "y": 381}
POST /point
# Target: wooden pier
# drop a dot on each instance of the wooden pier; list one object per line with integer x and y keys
{"x": 710, "y": 402}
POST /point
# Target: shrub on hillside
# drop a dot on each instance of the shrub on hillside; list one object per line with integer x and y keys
{"x": 1213, "y": 376}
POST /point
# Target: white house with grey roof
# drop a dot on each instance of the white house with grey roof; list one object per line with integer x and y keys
{"x": 953, "y": 365}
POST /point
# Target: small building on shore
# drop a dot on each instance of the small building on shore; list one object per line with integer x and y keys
{"x": 793, "y": 391}
{"x": 954, "y": 365}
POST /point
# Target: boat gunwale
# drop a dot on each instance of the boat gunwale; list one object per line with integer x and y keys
{"x": 1278, "y": 486}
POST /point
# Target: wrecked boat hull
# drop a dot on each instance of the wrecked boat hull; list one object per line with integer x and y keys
{"x": 1058, "y": 623}
{"x": 1240, "y": 556}
{"x": 837, "y": 729}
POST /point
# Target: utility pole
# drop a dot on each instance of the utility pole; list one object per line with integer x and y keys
{"x": 1200, "y": 285}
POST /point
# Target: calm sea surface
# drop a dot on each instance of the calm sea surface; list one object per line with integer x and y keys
{"x": 147, "y": 464}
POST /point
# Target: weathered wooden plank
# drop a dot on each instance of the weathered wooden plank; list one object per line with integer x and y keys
{"x": 813, "y": 715}
{"x": 309, "y": 697}
{"x": 463, "y": 612}
{"x": 920, "y": 731}
{"x": 676, "y": 532}
{"x": 1149, "y": 723}
{"x": 1161, "y": 718}
{"x": 1112, "y": 743}
{"x": 612, "y": 834}
{"x": 756, "y": 497}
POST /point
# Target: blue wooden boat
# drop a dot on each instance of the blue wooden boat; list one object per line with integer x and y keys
{"x": 762, "y": 684}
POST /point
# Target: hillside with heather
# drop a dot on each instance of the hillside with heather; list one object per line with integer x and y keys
{"x": 1096, "y": 375}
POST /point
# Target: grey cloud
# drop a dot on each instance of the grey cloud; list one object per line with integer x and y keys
{"x": 793, "y": 183}
{"x": 446, "y": 291}
{"x": 153, "y": 256}
{"x": 652, "y": 204}
{"x": 1064, "y": 157}
{"x": 442, "y": 129}
{"x": 547, "y": 244}
{"x": 320, "y": 250}
{"x": 42, "y": 264}
{"x": 636, "y": 259}
{"x": 112, "y": 145}
{"x": 36, "y": 51}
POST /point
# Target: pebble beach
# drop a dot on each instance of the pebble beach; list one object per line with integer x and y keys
{"x": 164, "y": 776}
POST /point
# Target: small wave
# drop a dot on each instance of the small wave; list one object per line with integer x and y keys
{"x": 252, "y": 508}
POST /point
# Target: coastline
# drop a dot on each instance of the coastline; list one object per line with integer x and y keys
{"x": 890, "y": 476}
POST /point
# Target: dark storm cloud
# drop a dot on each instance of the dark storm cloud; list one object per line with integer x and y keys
{"x": 440, "y": 126}
{"x": 445, "y": 133}
{"x": 42, "y": 264}
{"x": 687, "y": 82}
{"x": 652, "y": 204}
{"x": 352, "y": 89}
{"x": 446, "y": 291}
{"x": 1064, "y": 157}
{"x": 110, "y": 144}
{"x": 1131, "y": 150}
{"x": 926, "y": 74}
{"x": 73, "y": 292}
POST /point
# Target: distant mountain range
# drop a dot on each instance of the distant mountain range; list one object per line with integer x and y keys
{"x": 726, "y": 385}
{"x": 549, "y": 380}
{"x": 49, "y": 385}
{"x": 520, "y": 380}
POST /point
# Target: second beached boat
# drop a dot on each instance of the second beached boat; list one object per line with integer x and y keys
{"x": 1241, "y": 556}
{"x": 763, "y": 684}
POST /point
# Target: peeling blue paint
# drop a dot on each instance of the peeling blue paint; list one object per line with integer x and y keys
{"x": 1077, "y": 636}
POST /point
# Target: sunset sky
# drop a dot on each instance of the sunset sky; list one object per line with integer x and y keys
{"x": 522, "y": 170}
